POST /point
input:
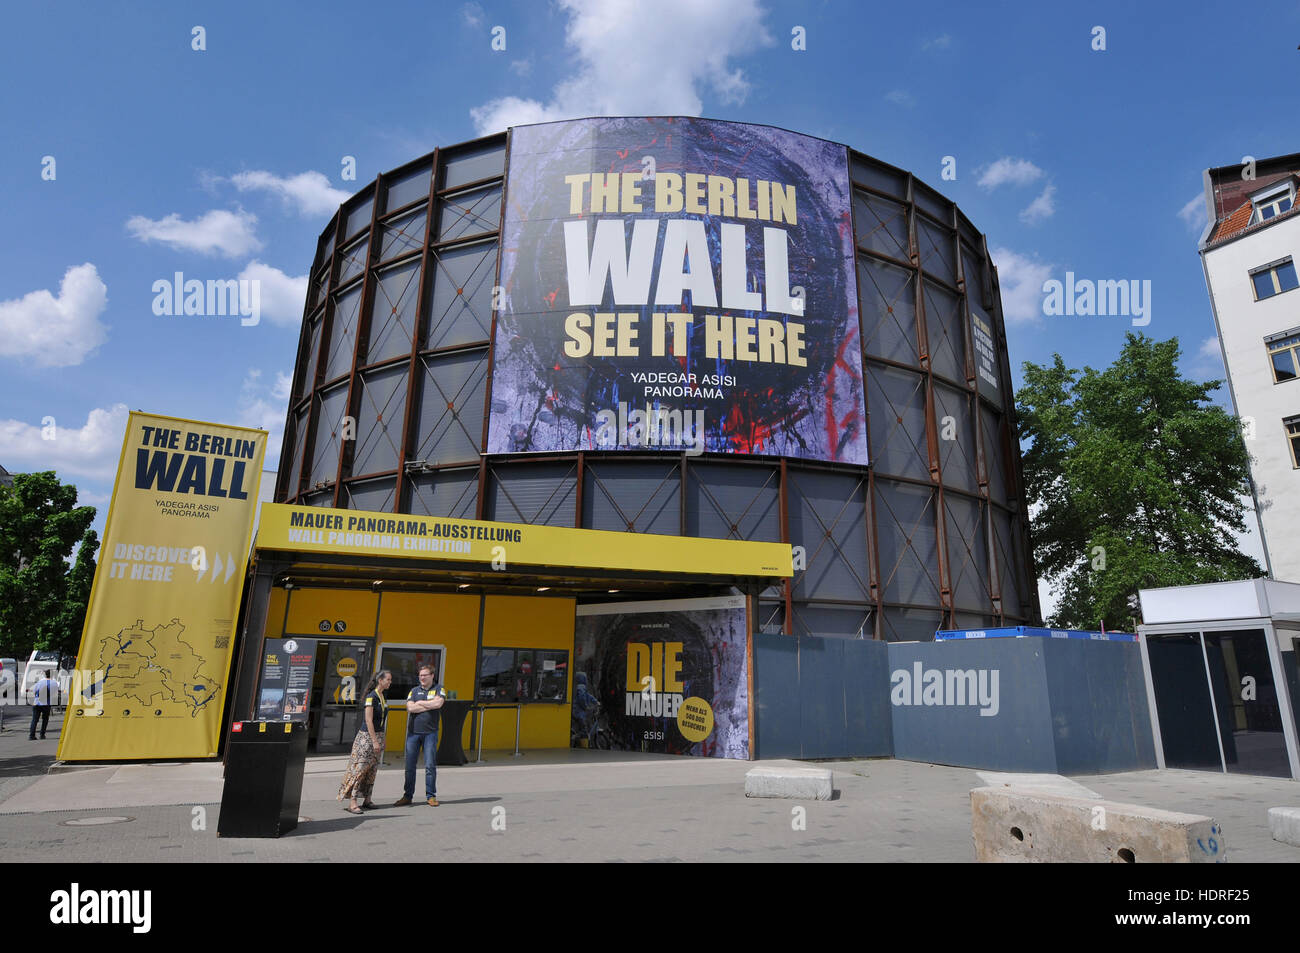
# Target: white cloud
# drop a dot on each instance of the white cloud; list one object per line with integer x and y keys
{"x": 60, "y": 331}
{"x": 472, "y": 14}
{"x": 1207, "y": 360}
{"x": 938, "y": 43}
{"x": 89, "y": 451}
{"x": 259, "y": 406}
{"x": 1194, "y": 214}
{"x": 616, "y": 48}
{"x": 1041, "y": 208}
{"x": 1009, "y": 171}
{"x": 281, "y": 296}
{"x": 522, "y": 68}
{"x": 310, "y": 191}
{"x": 901, "y": 97}
{"x": 1021, "y": 280}
{"x": 512, "y": 111}
{"x": 280, "y": 389}
{"x": 218, "y": 232}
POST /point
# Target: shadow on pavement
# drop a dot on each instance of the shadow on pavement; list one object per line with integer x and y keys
{"x": 346, "y": 823}
{"x": 467, "y": 800}
{"x": 23, "y": 767}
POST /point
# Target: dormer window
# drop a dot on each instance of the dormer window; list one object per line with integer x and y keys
{"x": 1272, "y": 202}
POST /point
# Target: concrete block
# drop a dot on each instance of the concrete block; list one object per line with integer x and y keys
{"x": 1284, "y": 824}
{"x": 804, "y": 784}
{"x": 1019, "y": 825}
{"x": 1055, "y": 783}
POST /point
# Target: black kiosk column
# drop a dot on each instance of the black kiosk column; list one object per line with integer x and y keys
{"x": 266, "y": 759}
{"x": 265, "y": 763}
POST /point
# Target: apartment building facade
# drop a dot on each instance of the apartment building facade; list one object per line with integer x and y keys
{"x": 1249, "y": 253}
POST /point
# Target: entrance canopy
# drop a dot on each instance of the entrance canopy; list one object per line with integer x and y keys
{"x": 329, "y": 543}
{"x": 1221, "y": 602}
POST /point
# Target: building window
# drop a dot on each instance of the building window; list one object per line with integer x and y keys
{"x": 1292, "y": 425}
{"x": 1272, "y": 203}
{"x": 1268, "y": 210}
{"x": 1284, "y": 355}
{"x": 1273, "y": 278}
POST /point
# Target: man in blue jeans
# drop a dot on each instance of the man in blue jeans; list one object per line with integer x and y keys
{"x": 422, "y": 706}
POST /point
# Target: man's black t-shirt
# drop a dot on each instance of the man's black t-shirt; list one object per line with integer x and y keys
{"x": 423, "y": 722}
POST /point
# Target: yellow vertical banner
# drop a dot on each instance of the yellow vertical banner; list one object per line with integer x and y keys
{"x": 157, "y": 643}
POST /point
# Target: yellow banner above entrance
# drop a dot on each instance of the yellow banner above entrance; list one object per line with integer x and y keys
{"x": 503, "y": 546}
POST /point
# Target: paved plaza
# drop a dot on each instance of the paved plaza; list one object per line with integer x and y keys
{"x": 567, "y": 806}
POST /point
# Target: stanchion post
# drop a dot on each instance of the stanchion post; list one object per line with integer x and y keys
{"x": 518, "y": 711}
{"x": 482, "y": 717}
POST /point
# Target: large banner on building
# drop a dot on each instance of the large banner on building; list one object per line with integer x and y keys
{"x": 667, "y": 676}
{"x": 677, "y": 284}
{"x": 157, "y": 641}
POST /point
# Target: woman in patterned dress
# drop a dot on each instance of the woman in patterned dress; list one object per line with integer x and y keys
{"x": 368, "y": 748}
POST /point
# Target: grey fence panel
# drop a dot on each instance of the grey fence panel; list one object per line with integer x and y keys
{"x": 867, "y": 715}
{"x": 776, "y": 696}
{"x": 821, "y": 698}
{"x": 1011, "y": 730}
{"x": 1100, "y": 716}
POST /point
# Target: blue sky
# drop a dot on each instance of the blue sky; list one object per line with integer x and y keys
{"x": 226, "y": 161}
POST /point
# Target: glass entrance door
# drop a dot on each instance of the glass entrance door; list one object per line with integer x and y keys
{"x": 1183, "y": 702}
{"x": 1250, "y": 718}
{"x": 341, "y": 674}
{"x": 1217, "y": 702}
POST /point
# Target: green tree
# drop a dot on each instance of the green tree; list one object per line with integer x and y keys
{"x": 43, "y": 598}
{"x": 1135, "y": 479}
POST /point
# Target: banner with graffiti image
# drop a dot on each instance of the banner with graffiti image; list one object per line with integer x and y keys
{"x": 679, "y": 285}
{"x": 668, "y": 676}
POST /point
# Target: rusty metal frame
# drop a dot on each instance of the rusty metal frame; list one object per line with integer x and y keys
{"x": 361, "y": 345}
{"x": 518, "y": 509}
{"x": 471, "y": 381}
{"x": 787, "y": 585}
{"x": 722, "y": 511}
{"x": 421, "y": 306}
{"x": 312, "y": 394}
{"x": 931, "y": 434}
{"x": 492, "y": 336}
{"x": 673, "y": 462}
{"x": 828, "y": 531}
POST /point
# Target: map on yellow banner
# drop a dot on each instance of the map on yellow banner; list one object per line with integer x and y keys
{"x": 155, "y": 668}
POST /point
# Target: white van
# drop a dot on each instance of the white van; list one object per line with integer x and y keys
{"x": 45, "y": 662}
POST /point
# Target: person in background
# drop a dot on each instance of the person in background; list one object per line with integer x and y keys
{"x": 43, "y": 694}
{"x": 585, "y": 707}
{"x": 368, "y": 747}
{"x": 8, "y": 679}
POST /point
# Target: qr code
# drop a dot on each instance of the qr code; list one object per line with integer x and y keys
{"x": 223, "y": 642}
